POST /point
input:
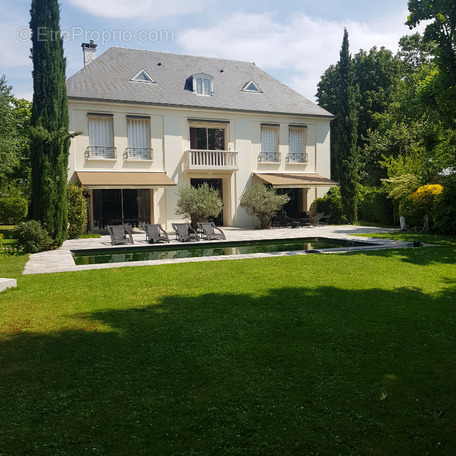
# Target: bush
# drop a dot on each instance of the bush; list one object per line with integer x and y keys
{"x": 13, "y": 210}
{"x": 330, "y": 204}
{"x": 420, "y": 203}
{"x": 77, "y": 211}
{"x": 375, "y": 206}
{"x": 199, "y": 203}
{"x": 445, "y": 208}
{"x": 32, "y": 237}
{"x": 263, "y": 202}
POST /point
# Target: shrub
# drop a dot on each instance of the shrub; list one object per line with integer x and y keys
{"x": 421, "y": 203}
{"x": 32, "y": 237}
{"x": 375, "y": 206}
{"x": 198, "y": 203}
{"x": 263, "y": 202}
{"x": 330, "y": 204}
{"x": 445, "y": 208}
{"x": 13, "y": 210}
{"x": 77, "y": 211}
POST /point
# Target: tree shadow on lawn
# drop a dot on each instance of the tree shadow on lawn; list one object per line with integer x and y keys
{"x": 296, "y": 371}
{"x": 421, "y": 256}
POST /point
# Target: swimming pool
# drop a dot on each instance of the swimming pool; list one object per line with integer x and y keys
{"x": 195, "y": 250}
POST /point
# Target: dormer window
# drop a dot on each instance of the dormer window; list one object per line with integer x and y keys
{"x": 251, "y": 87}
{"x": 203, "y": 84}
{"x": 142, "y": 76}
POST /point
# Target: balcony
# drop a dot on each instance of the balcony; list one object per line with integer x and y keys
{"x": 139, "y": 154}
{"x": 219, "y": 160}
{"x": 101, "y": 153}
{"x": 297, "y": 158}
{"x": 269, "y": 157}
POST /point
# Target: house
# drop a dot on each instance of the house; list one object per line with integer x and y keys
{"x": 152, "y": 121}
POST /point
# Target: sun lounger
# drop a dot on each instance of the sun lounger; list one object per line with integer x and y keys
{"x": 209, "y": 231}
{"x": 155, "y": 233}
{"x": 184, "y": 232}
{"x": 120, "y": 234}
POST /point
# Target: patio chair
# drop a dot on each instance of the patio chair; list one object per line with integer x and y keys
{"x": 208, "y": 229}
{"x": 120, "y": 234}
{"x": 155, "y": 233}
{"x": 325, "y": 220}
{"x": 315, "y": 220}
{"x": 184, "y": 232}
{"x": 281, "y": 219}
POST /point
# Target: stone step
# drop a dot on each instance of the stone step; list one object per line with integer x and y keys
{"x": 7, "y": 283}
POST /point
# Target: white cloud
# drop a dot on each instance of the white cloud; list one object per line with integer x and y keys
{"x": 15, "y": 39}
{"x": 145, "y": 9}
{"x": 303, "y": 47}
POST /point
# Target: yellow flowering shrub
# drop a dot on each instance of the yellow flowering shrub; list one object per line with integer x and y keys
{"x": 420, "y": 203}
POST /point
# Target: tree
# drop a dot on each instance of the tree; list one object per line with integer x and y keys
{"x": 198, "y": 203}
{"x": 346, "y": 134}
{"x": 442, "y": 30}
{"x": 8, "y": 156}
{"x": 263, "y": 202}
{"x": 49, "y": 122}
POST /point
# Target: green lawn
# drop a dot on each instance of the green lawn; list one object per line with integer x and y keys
{"x": 345, "y": 354}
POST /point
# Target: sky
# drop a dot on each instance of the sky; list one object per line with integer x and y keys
{"x": 293, "y": 40}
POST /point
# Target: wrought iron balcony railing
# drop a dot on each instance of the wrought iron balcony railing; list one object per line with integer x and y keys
{"x": 101, "y": 152}
{"x": 139, "y": 153}
{"x": 269, "y": 157}
{"x": 297, "y": 158}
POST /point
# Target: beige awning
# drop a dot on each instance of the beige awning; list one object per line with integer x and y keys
{"x": 304, "y": 180}
{"x": 119, "y": 179}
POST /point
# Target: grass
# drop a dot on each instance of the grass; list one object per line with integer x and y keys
{"x": 346, "y": 354}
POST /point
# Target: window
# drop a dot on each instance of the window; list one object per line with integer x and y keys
{"x": 142, "y": 76}
{"x": 251, "y": 87}
{"x": 138, "y": 134}
{"x": 101, "y": 136}
{"x": 210, "y": 137}
{"x": 203, "y": 84}
{"x": 269, "y": 143}
{"x": 297, "y": 144}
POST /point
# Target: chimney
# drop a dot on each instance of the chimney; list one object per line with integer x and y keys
{"x": 90, "y": 52}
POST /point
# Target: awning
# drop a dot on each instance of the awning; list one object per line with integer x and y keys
{"x": 119, "y": 179}
{"x": 304, "y": 180}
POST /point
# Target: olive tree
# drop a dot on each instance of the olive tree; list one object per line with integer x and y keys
{"x": 198, "y": 203}
{"x": 263, "y": 202}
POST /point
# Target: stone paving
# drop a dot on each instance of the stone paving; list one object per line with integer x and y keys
{"x": 61, "y": 260}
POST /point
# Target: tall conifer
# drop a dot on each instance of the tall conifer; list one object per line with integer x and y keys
{"x": 346, "y": 132}
{"x": 50, "y": 121}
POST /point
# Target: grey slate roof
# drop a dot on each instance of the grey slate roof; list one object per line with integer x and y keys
{"x": 108, "y": 78}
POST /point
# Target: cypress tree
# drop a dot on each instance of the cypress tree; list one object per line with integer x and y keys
{"x": 50, "y": 121}
{"x": 345, "y": 130}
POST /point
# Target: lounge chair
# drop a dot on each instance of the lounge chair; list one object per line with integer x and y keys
{"x": 155, "y": 233}
{"x": 315, "y": 220}
{"x": 208, "y": 229}
{"x": 184, "y": 232}
{"x": 325, "y": 220}
{"x": 120, "y": 234}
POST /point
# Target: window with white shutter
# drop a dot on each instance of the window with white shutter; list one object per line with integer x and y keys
{"x": 269, "y": 143}
{"x": 138, "y": 133}
{"x": 297, "y": 144}
{"x": 101, "y": 136}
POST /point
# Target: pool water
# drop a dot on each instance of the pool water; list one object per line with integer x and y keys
{"x": 194, "y": 250}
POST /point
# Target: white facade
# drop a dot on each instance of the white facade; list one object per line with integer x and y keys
{"x": 150, "y": 123}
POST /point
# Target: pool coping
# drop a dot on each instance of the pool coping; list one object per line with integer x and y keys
{"x": 61, "y": 260}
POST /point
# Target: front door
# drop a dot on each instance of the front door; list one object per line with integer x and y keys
{"x": 217, "y": 185}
